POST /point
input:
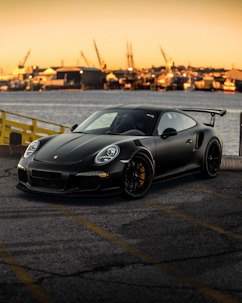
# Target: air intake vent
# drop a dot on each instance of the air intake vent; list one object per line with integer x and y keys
{"x": 47, "y": 179}
{"x": 87, "y": 183}
{"x": 46, "y": 174}
{"x": 48, "y": 183}
{"x": 137, "y": 143}
{"x": 22, "y": 175}
{"x": 199, "y": 140}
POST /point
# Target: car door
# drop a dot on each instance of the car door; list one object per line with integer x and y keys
{"x": 174, "y": 152}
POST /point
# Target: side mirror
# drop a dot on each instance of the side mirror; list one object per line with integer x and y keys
{"x": 168, "y": 133}
{"x": 74, "y": 127}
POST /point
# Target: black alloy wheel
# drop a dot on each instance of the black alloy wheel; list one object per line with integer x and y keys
{"x": 212, "y": 160}
{"x": 138, "y": 176}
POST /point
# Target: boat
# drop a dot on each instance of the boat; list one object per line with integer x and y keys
{"x": 208, "y": 83}
{"x": 188, "y": 86}
{"x": 229, "y": 85}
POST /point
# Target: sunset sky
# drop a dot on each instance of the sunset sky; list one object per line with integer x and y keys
{"x": 205, "y": 33}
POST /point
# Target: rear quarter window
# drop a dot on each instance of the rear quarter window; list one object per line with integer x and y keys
{"x": 187, "y": 121}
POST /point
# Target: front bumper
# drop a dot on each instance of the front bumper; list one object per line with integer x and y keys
{"x": 71, "y": 180}
{"x": 96, "y": 194}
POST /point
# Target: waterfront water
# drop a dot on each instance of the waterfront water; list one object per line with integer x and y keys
{"x": 70, "y": 107}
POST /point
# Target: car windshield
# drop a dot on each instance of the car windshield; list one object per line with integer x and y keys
{"x": 130, "y": 122}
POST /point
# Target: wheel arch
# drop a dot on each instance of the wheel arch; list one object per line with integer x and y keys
{"x": 146, "y": 152}
{"x": 209, "y": 134}
{"x": 204, "y": 156}
{"x": 132, "y": 175}
{"x": 208, "y": 141}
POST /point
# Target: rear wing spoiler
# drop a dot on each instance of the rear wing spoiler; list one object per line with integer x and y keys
{"x": 213, "y": 112}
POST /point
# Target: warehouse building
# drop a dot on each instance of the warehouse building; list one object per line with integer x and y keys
{"x": 236, "y": 76}
{"x": 85, "y": 77}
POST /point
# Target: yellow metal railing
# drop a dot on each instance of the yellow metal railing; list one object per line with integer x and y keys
{"x": 29, "y": 131}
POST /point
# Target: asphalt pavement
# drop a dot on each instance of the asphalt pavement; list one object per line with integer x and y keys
{"x": 181, "y": 243}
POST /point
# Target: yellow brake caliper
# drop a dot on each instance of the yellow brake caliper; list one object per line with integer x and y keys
{"x": 142, "y": 174}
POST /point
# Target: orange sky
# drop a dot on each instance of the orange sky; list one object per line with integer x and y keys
{"x": 205, "y": 33}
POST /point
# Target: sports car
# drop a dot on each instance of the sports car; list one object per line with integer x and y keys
{"x": 122, "y": 150}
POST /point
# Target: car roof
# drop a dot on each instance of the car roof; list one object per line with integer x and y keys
{"x": 154, "y": 108}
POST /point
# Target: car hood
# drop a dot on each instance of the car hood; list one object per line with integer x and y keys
{"x": 74, "y": 147}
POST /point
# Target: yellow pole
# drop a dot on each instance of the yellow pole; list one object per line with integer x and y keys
{"x": 34, "y": 126}
{"x": 62, "y": 129}
{"x": 3, "y": 128}
{"x": 240, "y": 140}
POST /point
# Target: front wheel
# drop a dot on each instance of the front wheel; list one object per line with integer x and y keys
{"x": 138, "y": 176}
{"x": 212, "y": 160}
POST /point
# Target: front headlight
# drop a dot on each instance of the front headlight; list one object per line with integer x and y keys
{"x": 31, "y": 148}
{"x": 107, "y": 154}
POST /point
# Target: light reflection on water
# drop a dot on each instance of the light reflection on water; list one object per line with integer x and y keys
{"x": 70, "y": 107}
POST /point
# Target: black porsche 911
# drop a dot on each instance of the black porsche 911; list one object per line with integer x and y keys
{"x": 122, "y": 150}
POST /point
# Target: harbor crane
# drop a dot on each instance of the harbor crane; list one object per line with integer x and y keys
{"x": 130, "y": 57}
{"x": 164, "y": 55}
{"x": 87, "y": 62}
{"x": 21, "y": 65}
{"x": 170, "y": 63}
{"x": 102, "y": 64}
{"x": 84, "y": 58}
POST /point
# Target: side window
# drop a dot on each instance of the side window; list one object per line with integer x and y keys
{"x": 170, "y": 120}
{"x": 187, "y": 121}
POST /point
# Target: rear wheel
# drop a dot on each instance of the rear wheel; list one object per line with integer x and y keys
{"x": 212, "y": 160}
{"x": 138, "y": 176}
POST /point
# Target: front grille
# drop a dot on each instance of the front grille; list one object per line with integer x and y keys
{"x": 87, "y": 182}
{"x": 48, "y": 183}
{"x": 46, "y": 174}
{"x": 22, "y": 175}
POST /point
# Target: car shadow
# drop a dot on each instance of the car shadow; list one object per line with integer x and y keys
{"x": 172, "y": 184}
{"x": 157, "y": 188}
{"x": 69, "y": 201}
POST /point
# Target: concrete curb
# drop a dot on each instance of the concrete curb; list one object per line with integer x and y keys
{"x": 16, "y": 151}
{"x": 231, "y": 163}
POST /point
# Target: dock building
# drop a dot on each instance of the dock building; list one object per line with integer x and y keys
{"x": 71, "y": 77}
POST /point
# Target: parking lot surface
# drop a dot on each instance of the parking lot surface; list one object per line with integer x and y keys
{"x": 181, "y": 243}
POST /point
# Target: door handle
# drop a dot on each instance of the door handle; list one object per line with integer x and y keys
{"x": 189, "y": 141}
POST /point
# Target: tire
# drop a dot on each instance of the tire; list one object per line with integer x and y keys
{"x": 138, "y": 176}
{"x": 212, "y": 160}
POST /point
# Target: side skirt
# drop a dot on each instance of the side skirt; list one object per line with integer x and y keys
{"x": 161, "y": 179}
